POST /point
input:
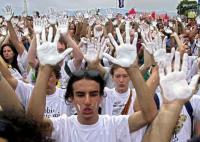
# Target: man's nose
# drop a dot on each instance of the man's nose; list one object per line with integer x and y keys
{"x": 121, "y": 78}
{"x": 87, "y": 99}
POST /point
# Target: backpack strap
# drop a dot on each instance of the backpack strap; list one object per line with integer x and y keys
{"x": 67, "y": 69}
{"x": 127, "y": 105}
{"x": 189, "y": 109}
{"x": 157, "y": 101}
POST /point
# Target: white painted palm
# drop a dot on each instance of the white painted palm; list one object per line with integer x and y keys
{"x": 63, "y": 25}
{"x": 126, "y": 53}
{"x": 47, "y": 51}
{"x": 173, "y": 83}
{"x": 52, "y": 18}
{"x": 8, "y": 12}
{"x": 155, "y": 47}
{"x": 95, "y": 48}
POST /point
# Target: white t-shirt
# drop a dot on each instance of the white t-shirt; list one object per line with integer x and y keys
{"x": 55, "y": 103}
{"x": 107, "y": 129}
{"x": 23, "y": 63}
{"x": 64, "y": 76}
{"x": 192, "y": 67}
{"x": 184, "y": 121}
{"x": 114, "y": 103}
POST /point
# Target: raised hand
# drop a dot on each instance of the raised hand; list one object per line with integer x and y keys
{"x": 8, "y": 12}
{"x": 47, "y": 50}
{"x": 92, "y": 49}
{"x": 63, "y": 25}
{"x": 98, "y": 31}
{"x": 126, "y": 53}
{"x": 173, "y": 84}
{"x": 52, "y": 16}
{"x": 38, "y": 25}
{"x": 156, "y": 47}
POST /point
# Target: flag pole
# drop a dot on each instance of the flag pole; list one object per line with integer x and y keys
{"x": 25, "y": 7}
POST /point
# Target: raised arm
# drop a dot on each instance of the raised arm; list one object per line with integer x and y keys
{"x": 8, "y": 98}
{"x": 145, "y": 99}
{"x": 175, "y": 93}
{"x": 32, "y": 55}
{"x": 7, "y": 75}
{"x": 13, "y": 36}
{"x": 47, "y": 55}
{"x": 77, "y": 54}
{"x": 126, "y": 56}
{"x": 37, "y": 102}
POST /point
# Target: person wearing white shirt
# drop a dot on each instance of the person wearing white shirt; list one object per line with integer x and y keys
{"x": 85, "y": 91}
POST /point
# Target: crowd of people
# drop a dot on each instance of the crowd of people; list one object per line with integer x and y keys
{"x": 105, "y": 78}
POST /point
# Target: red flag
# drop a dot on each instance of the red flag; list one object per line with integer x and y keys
{"x": 132, "y": 12}
{"x": 153, "y": 15}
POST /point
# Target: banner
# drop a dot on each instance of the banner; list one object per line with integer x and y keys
{"x": 121, "y": 3}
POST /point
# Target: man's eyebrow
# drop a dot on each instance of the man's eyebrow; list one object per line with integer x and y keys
{"x": 96, "y": 91}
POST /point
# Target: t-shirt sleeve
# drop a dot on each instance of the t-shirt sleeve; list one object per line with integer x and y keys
{"x": 23, "y": 91}
{"x": 122, "y": 128}
{"x": 195, "y": 102}
{"x": 23, "y": 62}
{"x": 59, "y": 124}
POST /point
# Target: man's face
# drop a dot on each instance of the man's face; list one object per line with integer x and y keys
{"x": 52, "y": 81}
{"x": 121, "y": 80}
{"x": 86, "y": 98}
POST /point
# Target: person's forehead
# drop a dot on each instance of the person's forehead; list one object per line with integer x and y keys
{"x": 7, "y": 48}
{"x": 120, "y": 70}
{"x": 85, "y": 84}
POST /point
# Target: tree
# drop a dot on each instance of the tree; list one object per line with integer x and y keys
{"x": 186, "y": 6}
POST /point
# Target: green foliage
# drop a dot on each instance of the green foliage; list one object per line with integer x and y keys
{"x": 186, "y": 6}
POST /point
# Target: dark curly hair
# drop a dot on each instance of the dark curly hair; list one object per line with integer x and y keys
{"x": 83, "y": 74}
{"x": 15, "y": 126}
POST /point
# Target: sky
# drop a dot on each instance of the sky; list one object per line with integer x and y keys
{"x": 42, "y": 5}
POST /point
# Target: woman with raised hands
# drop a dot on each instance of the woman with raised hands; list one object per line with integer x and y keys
{"x": 14, "y": 54}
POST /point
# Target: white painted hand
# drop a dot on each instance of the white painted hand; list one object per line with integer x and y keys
{"x": 98, "y": 31}
{"x": 126, "y": 53}
{"x": 156, "y": 47}
{"x": 63, "y": 25}
{"x": 38, "y": 25}
{"x": 47, "y": 51}
{"x": 174, "y": 85}
{"x": 92, "y": 49}
{"x": 8, "y": 12}
{"x": 52, "y": 16}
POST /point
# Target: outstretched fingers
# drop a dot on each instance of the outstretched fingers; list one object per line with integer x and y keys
{"x": 119, "y": 36}
{"x": 113, "y": 41}
{"x": 50, "y": 35}
{"x": 127, "y": 28}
